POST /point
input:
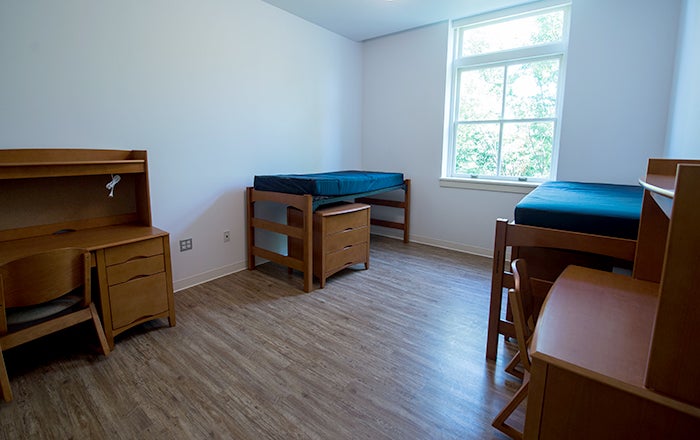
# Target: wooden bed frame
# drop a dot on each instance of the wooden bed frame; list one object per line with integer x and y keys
{"x": 548, "y": 252}
{"x": 307, "y": 205}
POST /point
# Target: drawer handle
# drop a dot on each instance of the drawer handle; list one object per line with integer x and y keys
{"x": 347, "y": 247}
{"x": 136, "y": 277}
{"x": 137, "y": 257}
{"x": 347, "y": 229}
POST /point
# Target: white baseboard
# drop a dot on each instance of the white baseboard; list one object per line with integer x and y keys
{"x": 208, "y": 276}
{"x": 482, "y": 252}
{"x": 384, "y": 232}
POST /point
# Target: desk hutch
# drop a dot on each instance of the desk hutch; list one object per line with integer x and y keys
{"x": 616, "y": 356}
{"x": 55, "y": 198}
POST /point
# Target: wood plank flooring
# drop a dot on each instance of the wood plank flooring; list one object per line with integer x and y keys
{"x": 394, "y": 352}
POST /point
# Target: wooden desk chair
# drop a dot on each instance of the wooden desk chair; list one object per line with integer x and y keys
{"x": 521, "y": 303}
{"x": 41, "y": 294}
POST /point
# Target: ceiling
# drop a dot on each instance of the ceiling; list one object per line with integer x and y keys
{"x": 361, "y": 20}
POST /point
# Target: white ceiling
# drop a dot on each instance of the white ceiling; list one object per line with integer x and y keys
{"x": 360, "y": 20}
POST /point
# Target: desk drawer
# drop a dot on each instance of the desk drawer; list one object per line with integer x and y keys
{"x": 135, "y": 268}
{"x": 136, "y": 299}
{"x": 350, "y": 220}
{"x": 142, "y": 249}
{"x": 346, "y": 257}
{"x": 342, "y": 239}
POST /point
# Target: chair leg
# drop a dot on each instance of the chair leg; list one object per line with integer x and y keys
{"x": 500, "y": 421}
{"x": 4, "y": 381}
{"x": 100, "y": 331}
{"x": 510, "y": 368}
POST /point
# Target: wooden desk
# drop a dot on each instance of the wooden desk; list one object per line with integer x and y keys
{"x": 43, "y": 191}
{"x": 589, "y": 358}
{"x": 615, "y": 356}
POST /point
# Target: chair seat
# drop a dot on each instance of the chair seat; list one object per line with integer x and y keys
{"x": 18, "y": 316}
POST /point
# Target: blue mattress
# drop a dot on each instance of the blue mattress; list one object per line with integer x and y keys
{"x": 592, "y": 208}
{"x": 334, "y": 184}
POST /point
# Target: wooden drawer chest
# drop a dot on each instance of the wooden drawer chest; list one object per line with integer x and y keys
{"x": 135, "y": 284}
{"x": 341, "y": 238}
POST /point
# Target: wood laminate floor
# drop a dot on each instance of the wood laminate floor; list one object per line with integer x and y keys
{"x": 394, "y": 352}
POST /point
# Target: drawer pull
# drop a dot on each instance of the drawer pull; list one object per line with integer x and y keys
{"x": 347, "y": 229}
{"x": 347, "y": 247}
{"x": 136, "y": 257}
{"x": 136, "y": 277}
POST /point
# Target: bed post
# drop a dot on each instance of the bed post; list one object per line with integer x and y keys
{"x": 406, "y": 209}
{"x": 499, "y": 256}
{"x": 250, "y": 230}
{"x": 308, "y": 257}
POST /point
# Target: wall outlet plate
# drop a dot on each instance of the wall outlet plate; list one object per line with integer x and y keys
{"x": 227, "y": 236}
{"x": 185, "y": 245}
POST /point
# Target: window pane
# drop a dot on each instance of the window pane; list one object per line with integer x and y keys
{"x": 527, "y": 149}
{"x": 513, "y": 34}
{"x": 480, "y": 94}
{"x": 476, "y": 149}
{"x": 531, "y": 90}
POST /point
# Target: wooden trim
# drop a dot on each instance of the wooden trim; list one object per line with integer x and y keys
{"x": 381, "y": 202}
{"x": 387, "y": 224}
{"x": 291, "y": 231}
{"x": 89, "y": 223}
{"x": 285, "y": 260}
{"x": 25, "y": 335}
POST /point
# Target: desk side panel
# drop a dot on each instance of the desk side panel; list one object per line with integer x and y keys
{"x": 577, "y": 407}
{"x": 674, "y": 361}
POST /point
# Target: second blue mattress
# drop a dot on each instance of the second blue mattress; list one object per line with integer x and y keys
{"x": 592, "y": 208}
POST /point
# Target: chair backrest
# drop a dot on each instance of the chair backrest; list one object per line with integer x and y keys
{"x": 42, "y": 277}
{"x": 521, "y": 303}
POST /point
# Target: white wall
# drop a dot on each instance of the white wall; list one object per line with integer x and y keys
{"x": 618, "y": 84}
{"x": 615, "y": 111}
{"x": 216, "y": 91}
{"x": 683, "y": 140}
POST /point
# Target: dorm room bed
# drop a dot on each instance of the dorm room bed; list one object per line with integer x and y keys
{"x": 558, "y": 224}
{"x": 306, "y": 193}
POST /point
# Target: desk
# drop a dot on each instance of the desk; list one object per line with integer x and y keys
{"x": 589, "y": 358}
{"x": 132, "y": 290}
{"x": 47, "y": 190}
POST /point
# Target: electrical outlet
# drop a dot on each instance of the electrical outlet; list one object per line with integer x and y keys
{"x": 227, "y": 236}
{"x": 185, "y": 245}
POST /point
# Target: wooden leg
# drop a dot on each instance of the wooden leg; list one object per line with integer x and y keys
{"x": 250, "y": 229}
{"x": 308, "y": 244}
{"x": 510, "y": 368}
{"x": 500, "y": 421}
{"x": 4, "y": 381}
{"x": 407, "y": 210}
{"x": 499, "y": 250}
{"x": 100, "y": 331}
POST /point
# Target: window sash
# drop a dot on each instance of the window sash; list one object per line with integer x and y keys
{"x": 555, "y": 50}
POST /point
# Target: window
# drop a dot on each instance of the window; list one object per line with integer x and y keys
{"x": 507, "y": 77}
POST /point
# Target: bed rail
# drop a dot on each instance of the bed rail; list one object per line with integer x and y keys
{"x": 521, "y": 239}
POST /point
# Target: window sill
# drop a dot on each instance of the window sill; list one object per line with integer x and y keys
{"x": 489, "y": 185}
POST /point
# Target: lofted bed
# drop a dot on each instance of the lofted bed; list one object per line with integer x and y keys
{"x": 306, "y": 193}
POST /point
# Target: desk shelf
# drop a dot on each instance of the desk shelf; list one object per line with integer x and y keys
{"x": 62, "y": 169}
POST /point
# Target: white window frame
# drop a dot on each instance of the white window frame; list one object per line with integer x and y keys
{"x": 514, "y": 56}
